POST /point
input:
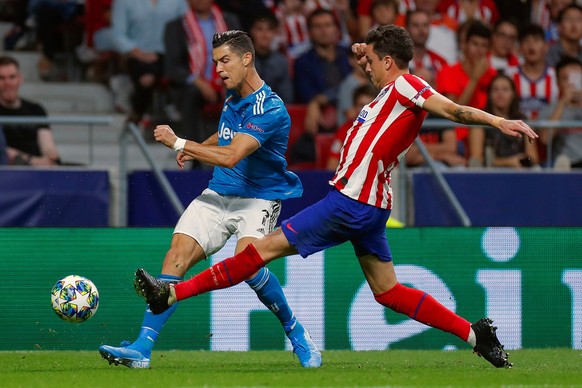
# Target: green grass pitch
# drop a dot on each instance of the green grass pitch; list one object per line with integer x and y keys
{"x": 541, "y": 368}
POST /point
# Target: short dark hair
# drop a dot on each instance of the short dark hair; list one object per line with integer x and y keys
{"x": 533, "y": 30}
{"x": 393, "y": 41}
{"x": 387, "y": 3}
{"x": 412, "y": 12}
{"x": 477, "y": 28}
{"x": 238, "y": 41}
{"x": 567, "y": 61}
{"x": 499, "y": 22}
{"x": 319, "y": 12}
{"x": 265, "y": 16}
{"x": 566, "y": 9}
{"x": 6, "y": 60}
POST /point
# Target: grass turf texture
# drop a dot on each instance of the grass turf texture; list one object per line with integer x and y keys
{"x": 546, "y": 367}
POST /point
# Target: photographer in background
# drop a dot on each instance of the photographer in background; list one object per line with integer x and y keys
{"x": 27, "y": 144}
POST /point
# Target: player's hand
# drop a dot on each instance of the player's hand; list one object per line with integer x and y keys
{"x": 182, "y": 158}
{"x": 359, "y": 50}
{"x": 517, "y": 128}
{"x": 165, "y": 135}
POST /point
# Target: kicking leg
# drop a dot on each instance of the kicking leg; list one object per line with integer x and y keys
{"x": 184, "y": 252}
{"x": 423, "y": 308}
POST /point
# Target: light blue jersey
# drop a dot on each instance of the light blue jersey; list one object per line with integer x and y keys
{"x": 263, "y": 174}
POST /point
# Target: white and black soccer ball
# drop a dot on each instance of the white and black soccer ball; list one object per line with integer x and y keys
{"x": 75, "y": 298}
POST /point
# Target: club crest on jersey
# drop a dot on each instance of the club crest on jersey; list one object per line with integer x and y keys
{"x": 362, "y": 116}
{"x": 254, "y": 127}
{"x": 226, "y": 133}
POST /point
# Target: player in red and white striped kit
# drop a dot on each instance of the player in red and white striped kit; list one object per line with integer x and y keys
{"x": 359, "y": 203}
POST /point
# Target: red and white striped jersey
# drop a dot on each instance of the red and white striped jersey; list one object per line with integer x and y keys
{"x": 534, "y": 95}
{"x": 379, "y": 138}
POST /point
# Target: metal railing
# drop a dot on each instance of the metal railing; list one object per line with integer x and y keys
{"x": 131, "y": 129}
{"x": 438, "y": 172}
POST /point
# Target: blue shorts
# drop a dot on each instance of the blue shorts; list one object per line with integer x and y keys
{"x": 336, "y": 219}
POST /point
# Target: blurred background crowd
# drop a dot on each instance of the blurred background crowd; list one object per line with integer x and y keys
{"x": 513, "y": 58}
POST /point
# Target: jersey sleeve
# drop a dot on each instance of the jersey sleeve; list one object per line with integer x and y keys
{"x": 261, "y": 124}
{"x": 412, "y": 90}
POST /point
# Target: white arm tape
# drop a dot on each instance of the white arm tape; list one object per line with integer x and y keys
{"x": 179, "y": 145}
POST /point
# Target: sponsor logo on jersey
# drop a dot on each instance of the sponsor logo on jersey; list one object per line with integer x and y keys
{"x": 226, "y": 133}
{"x": 362, "y": 116}
{"x": 255, "y": 127}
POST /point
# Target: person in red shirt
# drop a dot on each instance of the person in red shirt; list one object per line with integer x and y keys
{"x": 466, "y": 81}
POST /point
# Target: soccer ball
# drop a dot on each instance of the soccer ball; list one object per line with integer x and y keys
{"x": 75, "y": 298}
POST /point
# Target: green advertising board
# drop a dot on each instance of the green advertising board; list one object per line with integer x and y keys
{"x": 529, "y": 280}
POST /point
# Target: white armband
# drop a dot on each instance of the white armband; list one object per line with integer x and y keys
{"x": 179, "y": 145}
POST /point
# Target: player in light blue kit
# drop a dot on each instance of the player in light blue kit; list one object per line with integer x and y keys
{"x": 243, "y": 198}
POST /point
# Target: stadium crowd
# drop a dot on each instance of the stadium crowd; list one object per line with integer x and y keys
{"x": 512, "y": 58}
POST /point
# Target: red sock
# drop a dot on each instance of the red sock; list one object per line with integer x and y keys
{"x": 227, "y": 273}
{"x": 422, "y": 307}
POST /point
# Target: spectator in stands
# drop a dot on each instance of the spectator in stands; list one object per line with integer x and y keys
{"x": 3, "y": 147}
{"x": 570, "y": 34}
{"x": 383, "y": 12}
{"x": 194, "y": 82}
{"x": 463, "y": 10}
{"x": 319, "y": 72}
{"x": 567, "y": 142}
{"x": 366, "y": 10}
{"x": 545, "y": 13}
{"x": 443, "y": 31}
{"x": 272, "y": 66}
{"x": 48, "y": 16}
{"x": 503, "y": 45}
{"x": 466, "y": 81}
{"x": 426, "y": 63}
{"x": 138, "y": 29}
{"x": 13, "y": 39}
{"x": 27, "y": 144}
{"x": 492, "y": 148}
{"x": 354, "y": 80}
{"x": 362, "y": 95}
{"x": 294, "y": 39}
{"x": 534, "y": 80}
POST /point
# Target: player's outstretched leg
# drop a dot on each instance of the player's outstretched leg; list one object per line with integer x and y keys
{"x": 488, "y": 345}
{"x": 270, "y": 293}
{"x": 137, "y": 354}
{"x": 423, "y": 308}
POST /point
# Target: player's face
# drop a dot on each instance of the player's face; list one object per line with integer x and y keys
{"x": 230, "y": 66}
{"x": 533, "y": 49}
{"x": 10, "y": 81}
{"x": 418, "y": 27}
{"x": 376, "y": 68}
{"x": 501, "y": 93}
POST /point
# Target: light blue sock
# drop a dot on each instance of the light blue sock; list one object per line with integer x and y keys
{"x": 270, "y": 293}
{"x": 152, "y": 324}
